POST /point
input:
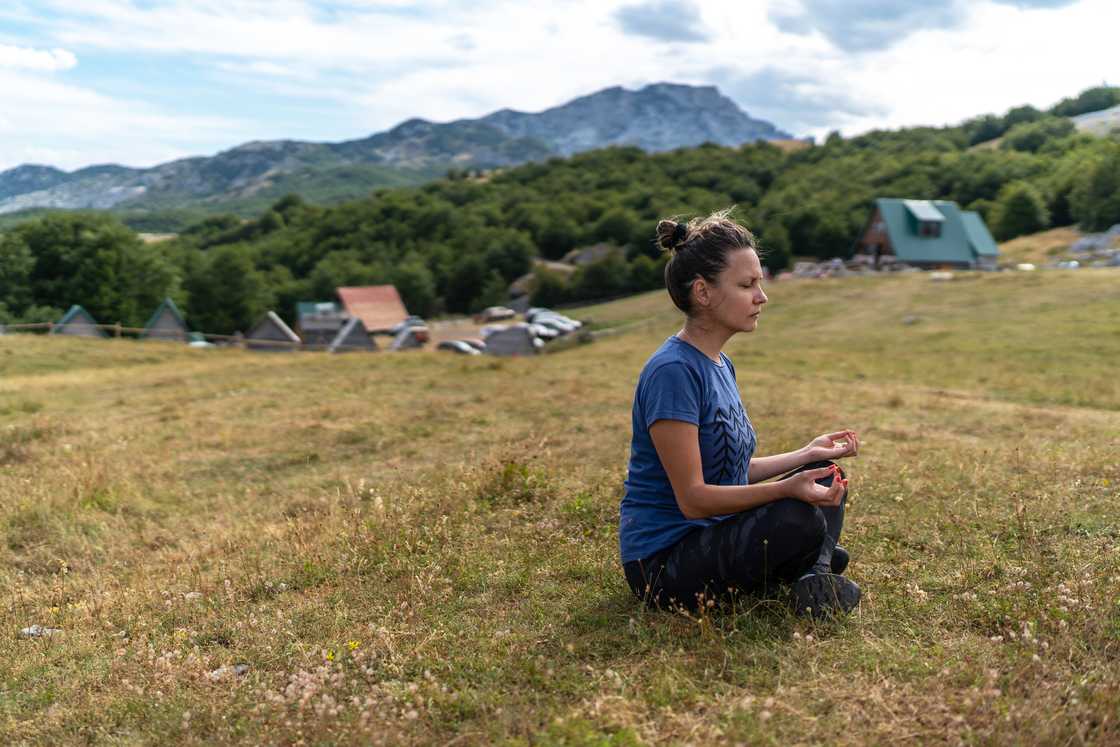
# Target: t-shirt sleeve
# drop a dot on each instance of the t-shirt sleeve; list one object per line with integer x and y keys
{"x": 672, "y": 392}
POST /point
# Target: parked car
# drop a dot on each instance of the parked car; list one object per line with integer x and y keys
{"x": 475, "y": 343}
{"x": 458, "y": 346}
{"x": 494, "y": 314}
{"x": 543, "y": 314}
{"x": 409, "y": 321}
{"x": 560, "y": 325}
{"x": 544, "y": 332}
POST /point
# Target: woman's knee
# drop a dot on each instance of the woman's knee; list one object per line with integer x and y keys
{"x": 798, "y": 523}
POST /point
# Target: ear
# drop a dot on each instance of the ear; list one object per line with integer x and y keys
{"x": 701, "y": 292}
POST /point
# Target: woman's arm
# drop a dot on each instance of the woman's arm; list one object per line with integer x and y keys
{"x": 763, "y": 468}
{"x": 828, "y": 446}
{"x": 678, "y": 448}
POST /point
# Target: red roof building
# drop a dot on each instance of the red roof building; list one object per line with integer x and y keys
{"x": 378, "y": 306}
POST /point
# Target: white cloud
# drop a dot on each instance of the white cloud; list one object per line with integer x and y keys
{"x": 25, "y": 58}
{"x": 360, "y": 66}
{"x": 68, "y": 126}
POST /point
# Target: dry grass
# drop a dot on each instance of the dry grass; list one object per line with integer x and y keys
{"x": 1040, "y": 248}
{"x": 419, "y": 548}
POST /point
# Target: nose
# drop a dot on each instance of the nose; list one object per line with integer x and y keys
{"x": 761, "y": 297}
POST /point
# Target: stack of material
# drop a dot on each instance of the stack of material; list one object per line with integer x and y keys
{"x": 78, "y": 323}
{"x": 319, "y": 322}
{"x": 270, "y": 333}
{"x": 166, "y": 324}
{"x": 514, "y": 339}
{"x": 352, "y": 336}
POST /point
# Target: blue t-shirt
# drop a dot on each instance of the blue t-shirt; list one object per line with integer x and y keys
{"x": 679, "y": 382}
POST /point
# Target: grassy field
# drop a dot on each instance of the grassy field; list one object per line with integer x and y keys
{"x": 1040, "y": 248}
{"x": 421, "y": 548}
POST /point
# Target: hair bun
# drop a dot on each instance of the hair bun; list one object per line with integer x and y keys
{"x": 679, "y": 232}
{"x": 671, "y": 234}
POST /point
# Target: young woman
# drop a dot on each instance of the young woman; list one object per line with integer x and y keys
{"x": 697, "y": 519}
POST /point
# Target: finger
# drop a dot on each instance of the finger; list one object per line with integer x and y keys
{"x": 820, "y": 472}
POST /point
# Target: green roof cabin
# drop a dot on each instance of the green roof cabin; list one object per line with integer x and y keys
{"x": 929, "y": 234}
{"x": 166, "y": 324}
{"x": 78, "y": 323}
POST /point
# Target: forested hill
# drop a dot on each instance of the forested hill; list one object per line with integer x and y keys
{"x": 455, "y": 244}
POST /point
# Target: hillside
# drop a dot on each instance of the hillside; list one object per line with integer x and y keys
{"x": 1040, "y": 248}
{"x": 420, "y": 548}
{"x": 244, "y": 179}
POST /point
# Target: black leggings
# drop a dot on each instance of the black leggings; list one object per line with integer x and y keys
{"x": 776, "y": 542}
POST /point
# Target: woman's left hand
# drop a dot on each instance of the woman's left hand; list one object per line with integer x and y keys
{"x": 833, "y": 446}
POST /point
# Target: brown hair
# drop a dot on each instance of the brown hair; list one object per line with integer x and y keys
{"x": 699, "y": 248}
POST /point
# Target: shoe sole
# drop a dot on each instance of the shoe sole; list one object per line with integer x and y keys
{"x": 825, "y": 594}
{"x": 840, "y": 560}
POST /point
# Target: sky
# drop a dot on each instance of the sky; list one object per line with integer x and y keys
{"x": 141, "y": 82}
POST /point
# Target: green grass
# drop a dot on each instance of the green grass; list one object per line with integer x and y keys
{"x": 418, "y": 548}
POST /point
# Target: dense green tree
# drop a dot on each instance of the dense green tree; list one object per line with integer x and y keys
{"x": 607, "y": 277}
{"x": 983, "y": 129}
{"x": 1021, "y": 114}
{"x": 227, "y": 293}
{"x": 616, "y": 225}
{"x": 773, "y": 240}
{"x": 343, "y": 268}
{"x": 646, "y": 273}
{"x": 1095, "y": 199}
{"x": 549, "y": 288}
{"x": 465, "y": 282}
{"x": 1089, "y": 100}
{"x": 415, "y": 283}
{"x": 84, "y": 258}
{"x": 16, "y": 265}
{"x": 1031, "y": 136}
{"x": 494, "y": 292}
{"x": 1020, "y": 210}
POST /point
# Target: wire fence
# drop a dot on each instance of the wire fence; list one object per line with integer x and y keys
{"x": 118, "y": 331}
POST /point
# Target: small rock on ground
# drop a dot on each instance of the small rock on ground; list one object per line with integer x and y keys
{"x": 229, "y": 672}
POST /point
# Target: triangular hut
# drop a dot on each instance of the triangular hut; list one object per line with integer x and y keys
{"x": 352, "y": 336}
{"x": 270, "y": 333}
{"x": 410, "y": 338}
{"x": 516, "y": 339}
{"x": 166, "y": 324}
{"x": 77, "y": 322}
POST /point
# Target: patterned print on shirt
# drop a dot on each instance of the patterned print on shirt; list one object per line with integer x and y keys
{"x": 731, "y": 442}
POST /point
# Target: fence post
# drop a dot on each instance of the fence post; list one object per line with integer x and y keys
{"x": 117, "y": 329}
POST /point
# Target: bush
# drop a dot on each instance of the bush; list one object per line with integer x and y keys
{"x": 549, "y": 288}
{"x": 1031, "y": 136}
{"x": 1020, "y": 210}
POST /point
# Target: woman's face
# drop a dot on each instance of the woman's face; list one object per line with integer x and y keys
{"x": 736, "y": 299}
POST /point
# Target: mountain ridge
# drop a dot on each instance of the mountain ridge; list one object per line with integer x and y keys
{"x": 656, "y": 117}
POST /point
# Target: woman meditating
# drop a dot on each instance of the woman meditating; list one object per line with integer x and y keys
{"x": 697, "y": 519}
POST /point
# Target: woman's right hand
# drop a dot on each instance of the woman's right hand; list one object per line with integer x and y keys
{"x": 803, "y": 486}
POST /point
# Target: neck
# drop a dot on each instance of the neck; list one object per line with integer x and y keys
{"x": 706, "y": 337}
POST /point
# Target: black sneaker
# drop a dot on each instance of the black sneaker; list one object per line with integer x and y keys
{"x": 840, "y": 560}
{"x": 824, "y": 594}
